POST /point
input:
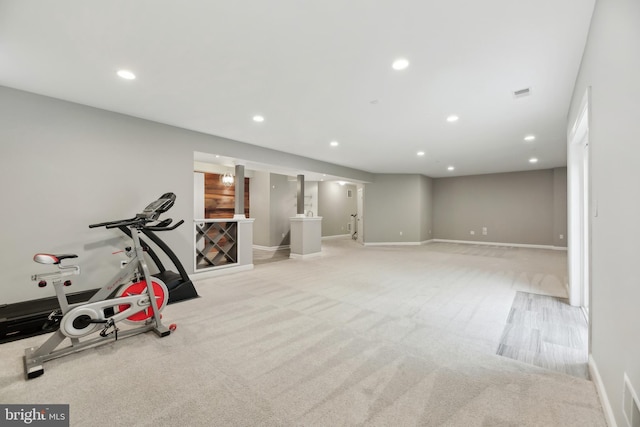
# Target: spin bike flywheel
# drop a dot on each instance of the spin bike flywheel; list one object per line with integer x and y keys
{"x": 87, "y": 318}
{"x": 159, "y": 290}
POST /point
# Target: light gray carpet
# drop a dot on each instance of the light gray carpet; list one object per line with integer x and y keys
{"x": 380, "y": 336}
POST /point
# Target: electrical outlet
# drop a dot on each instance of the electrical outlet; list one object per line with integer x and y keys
{"x": 561, "y": 236}
{"x": 401, "y": 233}
{"x": 472, "y": 232}
{"x": 484, "y": 231}
{"x": 283, "y": 235}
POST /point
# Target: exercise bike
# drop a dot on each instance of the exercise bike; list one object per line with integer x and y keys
{"x": 132, "y": 296}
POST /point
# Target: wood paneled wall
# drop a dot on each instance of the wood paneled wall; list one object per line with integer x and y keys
{"x": 219, "y": 201}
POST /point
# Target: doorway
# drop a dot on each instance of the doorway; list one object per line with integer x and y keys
{"x": 580, "y": 210}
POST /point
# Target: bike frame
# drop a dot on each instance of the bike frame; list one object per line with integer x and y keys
{"x": 34, "y": 357}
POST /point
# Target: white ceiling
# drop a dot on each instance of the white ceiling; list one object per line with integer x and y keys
{"x": 319, "y": 71}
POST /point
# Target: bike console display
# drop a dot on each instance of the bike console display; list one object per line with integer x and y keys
{"x": 155, "y": 208}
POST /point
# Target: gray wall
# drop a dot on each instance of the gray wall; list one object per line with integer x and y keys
{"x": 335, "y": 207}
{"x": 310, "y": 198}
{"x": 282, "y": 208}
{"x": 64, "y": 166}
{"x": 393, "y": 204}
{"x": 560, "y": 237}
{"x": 273, "y": 203}
{"x": 260, "y": 207}
{"x": 519, "y": 207}
{"x": 611, "y": 66}
{"x": 515, "y": 207}
{"x": 426, "y": 208}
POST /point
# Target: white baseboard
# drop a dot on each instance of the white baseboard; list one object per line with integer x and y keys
{"x": 337, "y": 236}
{"x": 517, "y": 245}
{"x": 270, "y": 248}
{"x": 305, "y": 256}
{"x": 220, "y": 271}
{"x": 466, "y": 242}
{"x": 392, "y": 244}
{"x": 602, "y": 393}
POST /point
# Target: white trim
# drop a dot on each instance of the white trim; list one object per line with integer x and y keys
{"x": 467, "y": 242}
{"x": 634, "y": 397}
{"x": 270, "y": 248}
{"x": 517, "y": 245}
{"x": 585, "y": 311}
{"x": 602, "y": 393}
{"x": 578, "y": 215}
{"x": 336, "y": 236}
{"x": 304, "y": 218}
{"x": 220, "y": 271}
{"x": 305, "y": 256}
{"x": 580, "y": 127}
{"x": 392, "y": 244}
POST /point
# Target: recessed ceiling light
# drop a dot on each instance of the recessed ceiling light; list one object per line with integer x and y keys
{"x": 533, "y": 160}
{"x": 450, "y": 168}
{"x": 529, "y": 137}
{"x": 452, "y": 118}
{"x": 334, "y": 143}
{"x": 400, "y": 64}
{"x": 126, "y": 74}
{"x": 420, "y": 153}
{"x": 258, "y": 119}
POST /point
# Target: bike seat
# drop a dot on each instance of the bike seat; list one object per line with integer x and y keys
{"x": 52, "y": 259}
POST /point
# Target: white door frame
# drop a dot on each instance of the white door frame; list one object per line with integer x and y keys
{"x": 579, "y": 208}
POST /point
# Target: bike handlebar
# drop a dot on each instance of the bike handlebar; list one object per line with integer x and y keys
{"x": 137, "y": 221}
{"x": 156, "y": 228}
{"x": 106, "y": 224}
{"x": 126, "y": 223}
{"x": 150, "y": 214}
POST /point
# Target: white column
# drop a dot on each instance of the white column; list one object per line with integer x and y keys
{"x": 306, "y": 236}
